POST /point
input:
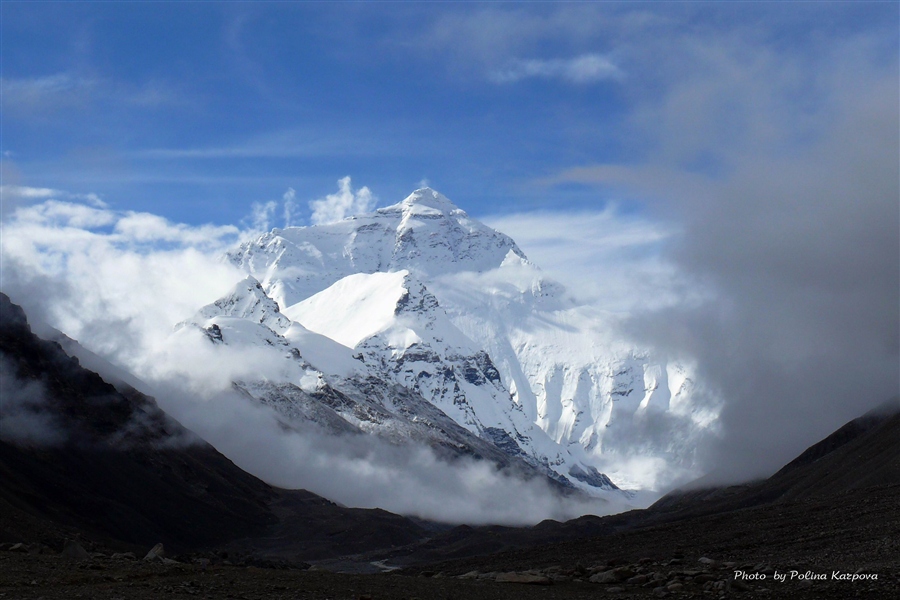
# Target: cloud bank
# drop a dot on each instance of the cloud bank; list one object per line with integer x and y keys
{"x": 787, "y": 212}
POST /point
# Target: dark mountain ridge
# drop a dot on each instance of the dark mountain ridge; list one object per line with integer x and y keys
{"x": 118, "y": 469}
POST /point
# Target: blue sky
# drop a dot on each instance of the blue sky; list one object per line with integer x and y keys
{"x": 197, "y": 110}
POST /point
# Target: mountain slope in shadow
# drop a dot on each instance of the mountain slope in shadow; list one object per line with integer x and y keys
{"x": 79, "y": 456}
{"x": 857, "y": 465}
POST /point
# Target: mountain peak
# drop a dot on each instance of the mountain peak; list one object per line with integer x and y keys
{"x": 247, "y": 300}
{"x": 429, "y": 199}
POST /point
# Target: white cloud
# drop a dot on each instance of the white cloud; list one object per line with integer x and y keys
{"x": 605, "y": 258}
{"x": 19, "y": 191}
{"x": 117, "y": 281}
{"x": 345, "y": 203}
{"x": 261, "y": 213}
{"x": 13, "y": 196}
{"x": 290, "y": 207}
{"x": 65, "y": 215}
{"x": 587, "y": 68}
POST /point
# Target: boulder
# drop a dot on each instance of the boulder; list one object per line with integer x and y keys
{"x": 604, "y": 577}
{"x": 156, "y": 552}
{"x": 74, "y": 551}
{"x": 527, "y": 578}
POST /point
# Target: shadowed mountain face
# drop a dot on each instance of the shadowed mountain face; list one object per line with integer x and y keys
{"x": 852, "y": 476}
{"x": 863, "y": 453}
{"x": 79, "y": 454}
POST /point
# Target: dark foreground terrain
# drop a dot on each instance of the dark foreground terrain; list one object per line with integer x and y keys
{"x": 859, "y": 533}
{"x": 841, "y": 541}
{"x": 79, "y": 515}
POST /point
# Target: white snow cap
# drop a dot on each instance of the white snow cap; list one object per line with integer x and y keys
{"x": 431, "y": 198}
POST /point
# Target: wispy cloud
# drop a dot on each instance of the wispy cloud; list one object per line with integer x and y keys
{"x": 606, "y": 258}
{"x": 14, "y": 196}
{"x": 21, "y": 192}
{"x": 25, "y": 419}
{"x": 587, "y": 68}
{"x": 287, "y": 143}
{"x": 37, "y": 95}
{"x": 290, "y": 207}
{"x": 345, "y": 203}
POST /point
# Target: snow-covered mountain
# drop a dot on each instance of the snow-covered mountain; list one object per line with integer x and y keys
{"x": 417, "y": 321}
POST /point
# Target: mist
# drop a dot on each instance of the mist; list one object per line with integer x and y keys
{"x": 24, "y": 418}
{"x": 778, "y": 173}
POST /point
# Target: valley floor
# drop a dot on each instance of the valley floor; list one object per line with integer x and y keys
{"x": 856, "y": 532}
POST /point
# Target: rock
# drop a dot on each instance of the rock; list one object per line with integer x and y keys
{"x": 526, "y": 578}
{"x": 675, "y": 587}
{"x": 615, "y": 590}
{"x": 704, "y": 578}
{"x": 638, "y": 579}
{"x": 614, "y": 576}
{"x": 18, "y": 548}
{"x": 123, "y": 556}
{"x": 156, "y": 552}
{"x": 604, "y": 577}
{"x": 736, "y": 584}
{"x": 660, "y": 592}
{"x": 711, "y": 563}
{"x": 469, "y": 575}
{"x": 74, "y": 551}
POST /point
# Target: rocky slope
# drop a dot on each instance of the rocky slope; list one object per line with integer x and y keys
{"x": 79, "y": 456}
